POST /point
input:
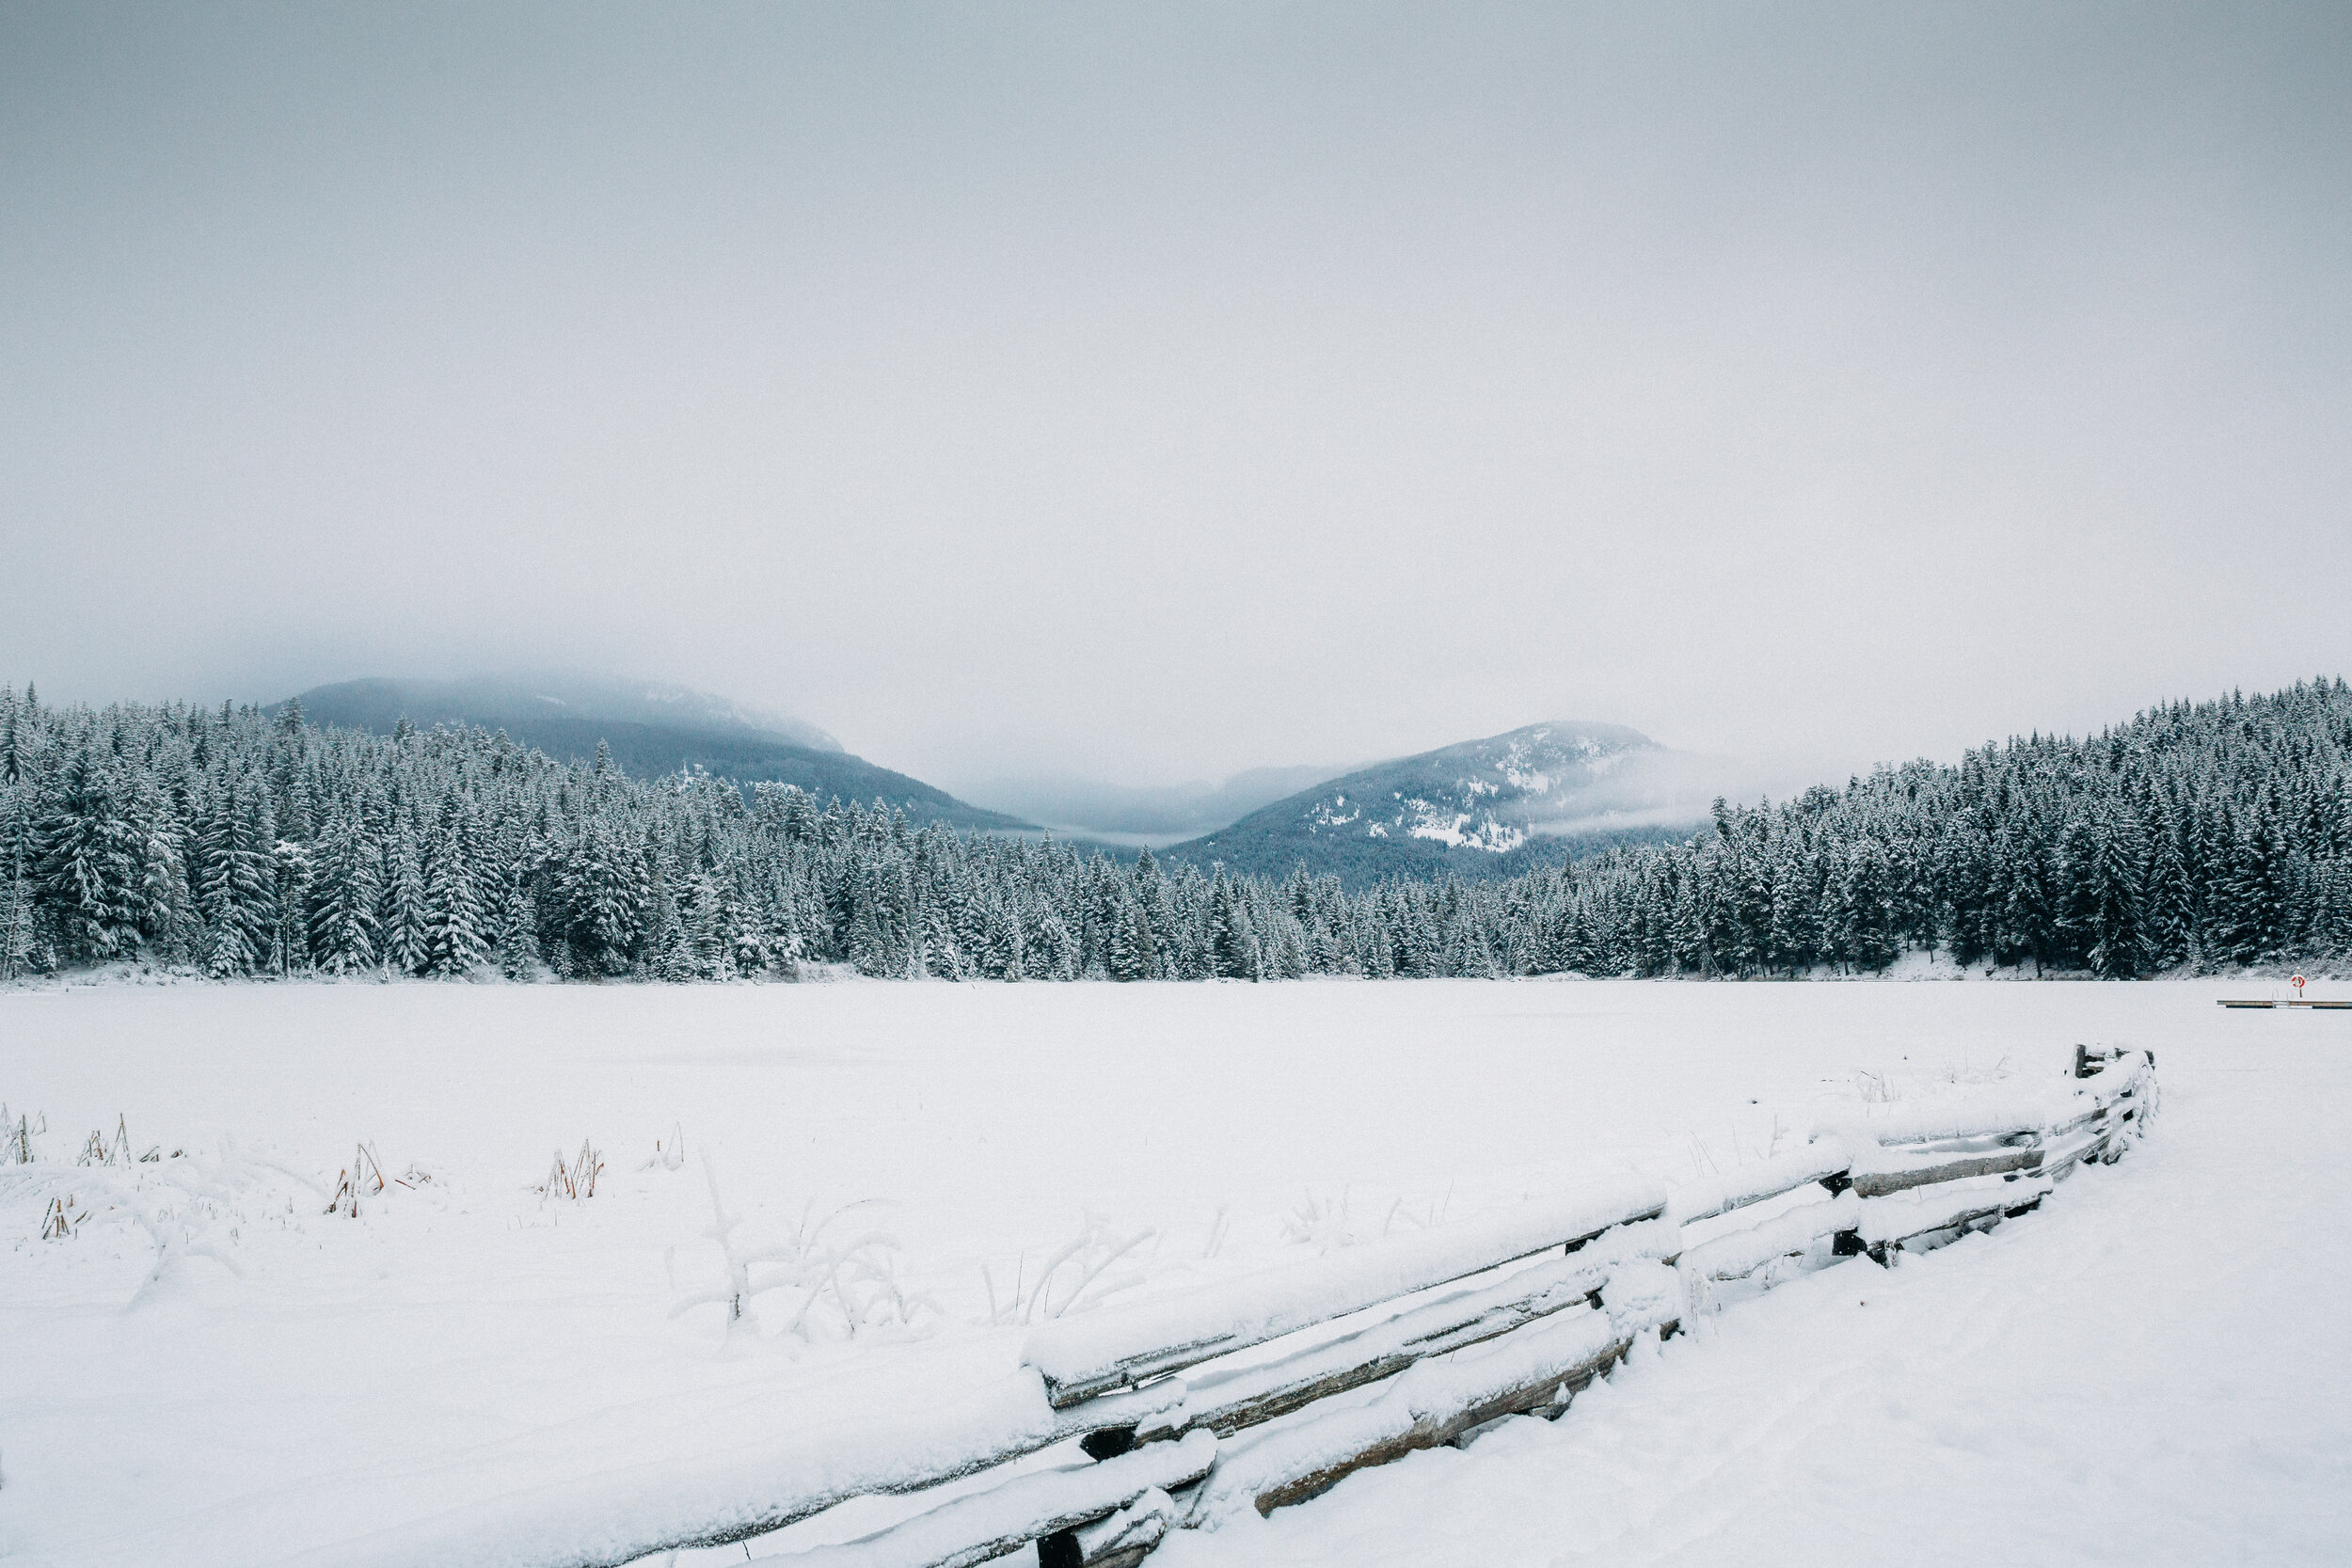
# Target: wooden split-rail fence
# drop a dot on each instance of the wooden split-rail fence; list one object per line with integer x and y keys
{"x": 1268, "y": 1390}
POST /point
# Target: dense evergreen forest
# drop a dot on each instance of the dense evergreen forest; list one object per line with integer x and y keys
{"x": 239, "y": 842}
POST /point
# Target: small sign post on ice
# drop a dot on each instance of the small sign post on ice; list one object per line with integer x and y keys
{"x": 2296, "y": 981}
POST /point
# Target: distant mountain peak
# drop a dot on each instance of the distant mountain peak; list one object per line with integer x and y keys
{"x": 1476, "y": 793}
{"x": 1480, "y": 806}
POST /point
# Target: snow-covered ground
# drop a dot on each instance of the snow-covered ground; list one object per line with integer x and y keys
{"x": 2157, "y": 1367}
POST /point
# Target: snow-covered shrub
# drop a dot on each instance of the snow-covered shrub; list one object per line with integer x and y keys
{"x": 184, "y": 1208}
{"x": 1323, "y": 1223}
{"x": 832, "y": 1288}
{"x": 1875, "y": 1088}
{"x": 1075, "y": 1277}
{"x": 1327, "y": 1225}
{"x": 1428, "y": 1216}
{"x": 1966, "y": 1072}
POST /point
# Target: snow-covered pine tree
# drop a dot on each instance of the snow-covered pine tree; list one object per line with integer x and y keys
{"x": 346, "y": 889}
{"x": 404, "y": 920}
{"x": 456, "y": 934}
{"x": 90, "y": 862}
{"x": 290, "y": 897}
{"x": 1232, "y": 943}
{"x": 16, "y": 882}
{"x": 605, "y": 890}
{"x": 236, "y": 891}
{"x": 2170, "y": 924}
{"x": 2118, "y": 947}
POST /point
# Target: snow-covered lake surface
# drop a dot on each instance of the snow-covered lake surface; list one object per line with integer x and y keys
{"x": 2157, "y": 1367}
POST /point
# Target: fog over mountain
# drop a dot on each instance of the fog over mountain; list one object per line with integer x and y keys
{"x": 645, "y": 729}
{"x": 1140, "y": 814}
{"x": 543, "y": 700}
{"x": 1152, "y": 394}
{"x": 1482, "y": 808}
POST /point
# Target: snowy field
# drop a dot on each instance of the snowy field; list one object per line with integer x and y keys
{"x": 211, "y": 1371}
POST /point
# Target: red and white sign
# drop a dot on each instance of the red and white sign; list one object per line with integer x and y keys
{"x": 2297, "y": 983}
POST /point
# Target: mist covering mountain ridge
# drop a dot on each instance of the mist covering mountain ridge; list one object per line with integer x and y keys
{"x": 1073, "y": 803}
{"x": 1480, "y": 808}
{"x": 542, "y": 695}
{"x": 648, "y": 729}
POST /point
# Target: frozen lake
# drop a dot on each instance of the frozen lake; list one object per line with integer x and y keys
{"x": 2154, "y": 1368}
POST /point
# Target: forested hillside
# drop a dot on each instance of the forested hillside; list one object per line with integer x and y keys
{"x": 239, "y": 842}
{"x": 643, "y": 729}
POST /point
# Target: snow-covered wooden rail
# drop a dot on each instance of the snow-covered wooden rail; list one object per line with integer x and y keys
{"x": 1263, "y": 1391}
{"x": 1080, "y": 1357}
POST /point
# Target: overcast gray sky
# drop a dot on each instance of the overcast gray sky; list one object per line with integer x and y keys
{"x": 1155, "y": 391}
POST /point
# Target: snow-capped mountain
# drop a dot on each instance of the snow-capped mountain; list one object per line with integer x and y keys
{"x": 1481, "y": 807}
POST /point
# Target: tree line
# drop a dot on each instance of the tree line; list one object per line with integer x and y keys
{"x": 243, "y": 842}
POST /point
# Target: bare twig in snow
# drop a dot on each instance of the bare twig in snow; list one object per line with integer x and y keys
{"x": 1218, "y": 1227}
{"x": 670, "y": 1155}
{"x": 364, "y": 1174}
{"x": 577, "y": 1180}
{"x": 59, "y": 1224}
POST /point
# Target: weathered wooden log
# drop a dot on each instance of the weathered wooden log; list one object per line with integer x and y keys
{"x": 971, "y": 1530}
{"x": 658, "y": 1506}
{"x": 2074, "y": 1124}
{"x": 1788, "y": 1235}
{"x": 1928, "y": 1241}
{"x": 1878, "y": 1183}
{"x": 1929, "y": 1220}
{"x": 1534, "y": 1372}
{"x": 2122, "y": 1079}
{"x": 1121, "y": 1540}
{"x": 1085, "y": 1356}
{"x": 1542, "y": 1396}
{"x": 1234, "y": 1401}
{"x": 2089, "y": 1063}
{"x": 2061, "y": 1159}
{"x": 1824, "y": 1160}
